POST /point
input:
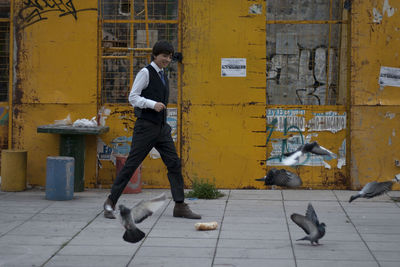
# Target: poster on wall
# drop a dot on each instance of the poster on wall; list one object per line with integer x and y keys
{"x": 233, "y": 67}
{"x": 389, "y": 76}
{"x": 122, "y": 144}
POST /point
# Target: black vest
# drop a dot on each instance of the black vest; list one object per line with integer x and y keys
{"x": 155, "y": 91}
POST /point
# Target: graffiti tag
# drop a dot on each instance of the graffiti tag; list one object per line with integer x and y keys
{"x": 34, "y": 11}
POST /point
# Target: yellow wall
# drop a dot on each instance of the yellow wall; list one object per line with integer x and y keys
{"x": 375, "y": 110}
{"x": 56, "y": 75}
{"x": 223, "y": 117}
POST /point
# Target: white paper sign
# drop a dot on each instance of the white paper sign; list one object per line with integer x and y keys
{"x": 233, "y": 67}
{"x": 389, "y": 77}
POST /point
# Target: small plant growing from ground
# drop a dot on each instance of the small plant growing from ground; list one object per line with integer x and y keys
{"x": 204, "y": 189}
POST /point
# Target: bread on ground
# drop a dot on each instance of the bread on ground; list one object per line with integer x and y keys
{"x": 206, "y": 226}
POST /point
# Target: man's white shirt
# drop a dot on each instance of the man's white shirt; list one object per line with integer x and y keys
{"x": 140, "y": 83}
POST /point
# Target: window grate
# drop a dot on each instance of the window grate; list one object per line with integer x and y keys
{"x": 129, "y": 29}
{"x": 4, "y": 49}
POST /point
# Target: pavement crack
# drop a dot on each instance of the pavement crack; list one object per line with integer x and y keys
{"x": 27, "y": 220}
{"x": 359, "y": 234}
{"x": 220, "y": 229}
{"x": 287, "y": 225}
{"x": 151, "y": 229}
{"x": 67, "y": 242}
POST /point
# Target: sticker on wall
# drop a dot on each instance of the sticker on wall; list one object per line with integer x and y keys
{"x": 154, "y": 154}
{"x": 172, "y": 120}
{"x": 255, "y": 9}
{"x": 327, "y": 121}
{"x": 387, "y": 9}
{"x": 286, "y": 119}
{"x": 233, "y": 67}
{"x": 389, "y": 76}
{"x": 4, "y": 116}
{"x": 103, "y": 150}
{"x": 342, "y": 155}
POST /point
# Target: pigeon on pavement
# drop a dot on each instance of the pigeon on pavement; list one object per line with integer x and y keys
{"x": 293, "y": 158}
{"x": 310, "y": 225}
{"x": 137, "y": 214}
{"x": 281, "y": 177}
{"x": 373, "y": 189}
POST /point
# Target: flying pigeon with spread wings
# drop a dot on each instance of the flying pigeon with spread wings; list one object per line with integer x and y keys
{"x": 373, "y": 189}
{"x": 137, "y": 214}
{"x": 310, "y": 224}
{"x": 293, "y": 158}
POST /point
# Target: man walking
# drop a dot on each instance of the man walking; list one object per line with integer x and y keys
{"x": 149, "y": 97}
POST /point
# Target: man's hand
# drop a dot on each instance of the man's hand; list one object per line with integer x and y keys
{"x": 159, "y": 106}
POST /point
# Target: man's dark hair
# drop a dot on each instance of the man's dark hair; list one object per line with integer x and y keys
{"x": 163, "y": 47}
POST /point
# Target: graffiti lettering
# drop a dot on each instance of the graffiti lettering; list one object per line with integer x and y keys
{"x": 284, "y": 145}
{"x": 34, "y": 11}
{"x": 307, "y": 77}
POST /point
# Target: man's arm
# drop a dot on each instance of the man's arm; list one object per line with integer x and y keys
{"x": 140, "y": 83}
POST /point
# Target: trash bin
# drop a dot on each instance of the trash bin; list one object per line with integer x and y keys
{"x": 13, "y": 170}
{"x": 134, "y": 185}
{"x": 73, "y": 145}
{"x": 60, "y": 178}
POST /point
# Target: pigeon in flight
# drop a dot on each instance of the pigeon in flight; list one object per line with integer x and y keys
{"x": 293, "y": 158}
{"x": 281, "y": 177}
{"x": 373, "y": 189}
{"x": 137, "y": 214}
{"x": 310, "y": 225}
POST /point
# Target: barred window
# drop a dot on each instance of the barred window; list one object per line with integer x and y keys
{"x": 129, "y": 29}
{"x": 4, "y": 49}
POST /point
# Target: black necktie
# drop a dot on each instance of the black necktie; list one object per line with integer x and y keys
{"x": 162, "y": 76}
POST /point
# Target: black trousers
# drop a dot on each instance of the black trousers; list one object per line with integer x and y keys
{"x": 147, "y": 135}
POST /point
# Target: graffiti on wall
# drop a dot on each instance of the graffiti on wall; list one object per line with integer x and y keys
{"x": 3, "y": 116}
{"x": 292, "y": 124}
{"x": 122, "y": 144}
{"x": 4, "y": 127}
{"x": 34, "y": 11}
{"x": 302, "y": 77}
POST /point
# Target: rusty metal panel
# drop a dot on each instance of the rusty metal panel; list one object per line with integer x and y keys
{"x": 221, "y": 142}
{"x": 375, "y": 44}
{"x": 375, "y": 92}
{"x": 375, "y": 144}
{"x": 55, "y": 75}
{"x": 56, "y": 51}
{"x": 288, "y": 127}
{"x": 223, "y": 91}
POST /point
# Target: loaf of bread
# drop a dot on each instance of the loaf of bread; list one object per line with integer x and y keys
{"x": 206, "y": 226}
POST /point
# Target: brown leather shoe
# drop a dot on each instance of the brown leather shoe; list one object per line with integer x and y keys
{"x": 183, "y": 210}
{"x": 109, "y": 208}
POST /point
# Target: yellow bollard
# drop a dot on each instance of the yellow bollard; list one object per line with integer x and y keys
{"x": 13, "y": 170}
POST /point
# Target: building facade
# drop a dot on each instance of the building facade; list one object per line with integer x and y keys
{"x": 257, "y": 79}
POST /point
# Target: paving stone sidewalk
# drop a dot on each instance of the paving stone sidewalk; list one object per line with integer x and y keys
{"x": 254, "y": 230}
